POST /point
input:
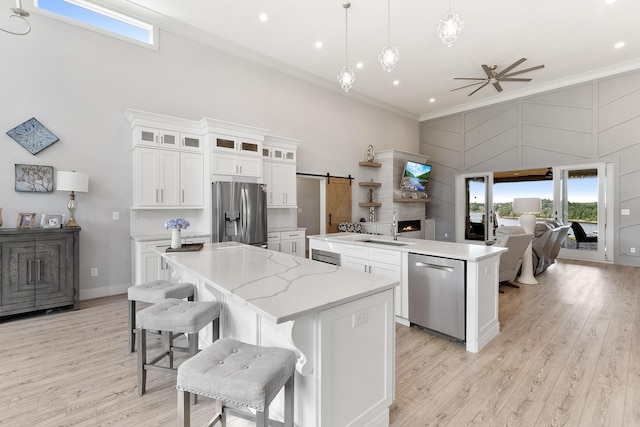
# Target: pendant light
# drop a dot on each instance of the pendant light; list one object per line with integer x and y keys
{"x": 19, "y": 13}
{"x": 450, "y": 26}
{"x": 346, "y": 76}
{"x": 389, "y": 55}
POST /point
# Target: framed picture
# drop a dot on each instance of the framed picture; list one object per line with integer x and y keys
{"x": 26, "y": 220}
{"x": 34, "y": 178}
{"x": 51, "y": 221}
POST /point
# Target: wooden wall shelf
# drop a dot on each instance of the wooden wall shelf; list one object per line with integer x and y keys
{"x": 370, "y": 184}
{"x": 400, "y": 200}
{"x": 369, "y": 205}
{"x": 370, "y": 164}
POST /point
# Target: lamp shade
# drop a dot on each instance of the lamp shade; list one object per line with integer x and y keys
{"x": 72, "y": 181}
{"x": 527, "y": 204}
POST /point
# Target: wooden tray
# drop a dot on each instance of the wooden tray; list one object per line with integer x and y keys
{"x": 187, "y": 247}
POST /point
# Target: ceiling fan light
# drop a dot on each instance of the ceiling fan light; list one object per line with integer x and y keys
{"x": 450, "y": 27}
{"x": 346, "y": 78}
{"x": 389, "y": 57}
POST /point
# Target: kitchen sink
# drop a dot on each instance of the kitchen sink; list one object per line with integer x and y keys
{"x": 386, "y": 242}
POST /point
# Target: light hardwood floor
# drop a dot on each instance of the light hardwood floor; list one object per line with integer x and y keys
{"x": 568, "y": 353}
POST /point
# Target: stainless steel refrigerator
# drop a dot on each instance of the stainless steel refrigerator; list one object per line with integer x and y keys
{"x": 239, "y": 213}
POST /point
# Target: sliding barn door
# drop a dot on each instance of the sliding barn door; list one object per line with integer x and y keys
{"x": 338, "y": 203}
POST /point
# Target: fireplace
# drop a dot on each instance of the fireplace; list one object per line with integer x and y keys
{"x": 409, "y": 226}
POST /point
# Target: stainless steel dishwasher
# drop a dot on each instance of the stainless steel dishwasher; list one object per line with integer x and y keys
{"x": 437, "y": 294}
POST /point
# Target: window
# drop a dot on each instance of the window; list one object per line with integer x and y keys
{"x": 100, "y": 19}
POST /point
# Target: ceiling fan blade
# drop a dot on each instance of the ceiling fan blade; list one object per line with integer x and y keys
{"x": 485, "y": 83}
{"x": 462, "y": 87}
{"x": 511, "y": 67}
{"x": 513, "y": 79}
{"x": 470, "y": 78}
{"x": 515, "y": 73}
{"x": 487, "y": 70}
{"x": 497, "y": 86}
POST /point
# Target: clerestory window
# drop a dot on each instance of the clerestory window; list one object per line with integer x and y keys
{"x": 101, "y": 19}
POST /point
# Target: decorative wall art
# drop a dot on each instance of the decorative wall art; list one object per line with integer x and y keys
{"x": 34, "y": 178}
{"x": 32, "y": 136}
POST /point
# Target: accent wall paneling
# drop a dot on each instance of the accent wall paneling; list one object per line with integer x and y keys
{"x": 596, "y": 121}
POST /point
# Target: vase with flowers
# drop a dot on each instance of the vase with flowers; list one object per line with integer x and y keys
{"x": 176, "y": 224}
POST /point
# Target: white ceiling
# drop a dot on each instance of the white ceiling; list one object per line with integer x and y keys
{"x": 574, "y": 39}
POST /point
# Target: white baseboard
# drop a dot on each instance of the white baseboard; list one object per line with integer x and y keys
{"x": 381, "y": 420}
{"x": 403, "y": 321}
{"x": 105, "y": 291}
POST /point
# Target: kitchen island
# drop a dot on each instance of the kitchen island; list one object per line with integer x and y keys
{"x": 339, "y": 322}
{"x": 383, "y": 256}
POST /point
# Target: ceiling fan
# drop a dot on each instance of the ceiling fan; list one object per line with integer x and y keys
{"x": 495, "y": 78}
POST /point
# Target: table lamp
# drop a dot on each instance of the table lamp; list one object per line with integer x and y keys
{"x": 526, "y": 206}
{"x": 72, "y": 181}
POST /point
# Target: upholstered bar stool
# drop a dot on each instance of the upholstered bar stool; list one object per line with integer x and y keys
{"x": 152, "y": 293}
{"x": 173, "y": 316}
{"x": 238, "y": 375}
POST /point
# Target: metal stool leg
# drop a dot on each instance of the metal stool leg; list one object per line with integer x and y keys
{"x": 142, "y": 360}
{"x": 132, "y": 326}
{"x": 184, "y": 409}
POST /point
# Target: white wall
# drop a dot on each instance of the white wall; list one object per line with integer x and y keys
{"x": 78, "y": 84}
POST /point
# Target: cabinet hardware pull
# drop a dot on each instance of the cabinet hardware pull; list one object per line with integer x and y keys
{"x": 162, "y": 195}
{"x": 38, "y": 264}
{"x": 29, "y": 268}
{"x": 182, "y": 196}
{"x": 157, "y": 195}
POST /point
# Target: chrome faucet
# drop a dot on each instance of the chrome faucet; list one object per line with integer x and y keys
{"x": 394, "y": 226}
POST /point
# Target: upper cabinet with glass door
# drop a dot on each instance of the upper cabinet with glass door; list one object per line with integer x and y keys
{"x": 163, "y": 138}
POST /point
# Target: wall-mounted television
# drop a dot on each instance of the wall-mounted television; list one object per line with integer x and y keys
{"x": 415, "y": 176}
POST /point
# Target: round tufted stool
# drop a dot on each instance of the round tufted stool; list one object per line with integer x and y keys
{"x": 153, "y": 292}
{"x": 238, "y": 374}
{"x": 173, "y": 316}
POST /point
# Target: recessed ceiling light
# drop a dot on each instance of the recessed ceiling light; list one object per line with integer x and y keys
{"x": 396, "y": 82}
{"x": 318, "y": 44}
{"x": 263, "y": 17}
{"x": 432, "y": 100}
{"x": 618, "y": 45}
{"x": 359, "y": 65}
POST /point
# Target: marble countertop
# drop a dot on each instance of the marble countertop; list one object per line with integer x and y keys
{"x": 278, "y": 286}
{"x": 453, "y": 250}
{"x": 167, "y": 236}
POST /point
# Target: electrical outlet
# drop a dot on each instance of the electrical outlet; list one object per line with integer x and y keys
{"x": 116, "y": 216}
{"x": 446, "y": 235}
{"x": 94, "y": 272}
{"x": 625, "y": 212}
{"x": 632, "y": 250}
{"x": 360, "y": 318}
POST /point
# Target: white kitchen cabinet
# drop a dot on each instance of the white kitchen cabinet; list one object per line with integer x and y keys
{"x": 293, "y": 242}
{"x": 242, "y": 146}
{"x": 236, "y": 157}
{"x": 191, "y": 179}
{"x": 164, "y": 138}
{"x": 148, "y": 264}
{"x": 280, "y": 179}
{"x": 381, "y": 262}
{"x": 290, "y": 242}
{"x": 156, "y": 177}
{"x": 168, "y": 178}
{"x": 279, "y": 155}
{"x": 235, "y": 165}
